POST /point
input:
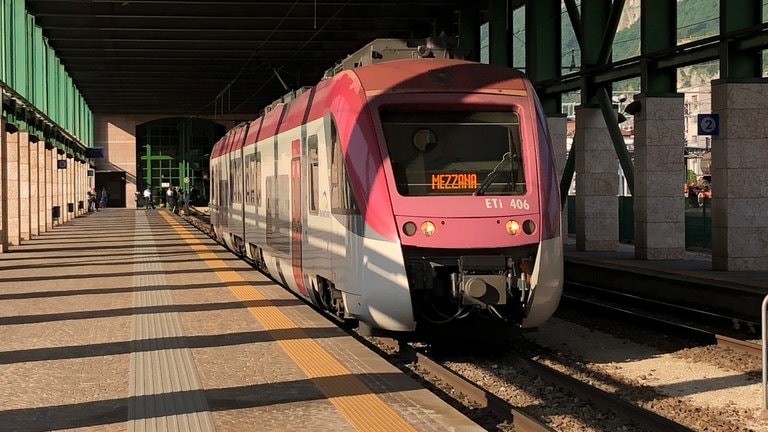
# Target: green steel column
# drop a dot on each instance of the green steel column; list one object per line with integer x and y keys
{"x": 594, "y": 18}
{"x": 574, "y": 17}
{"x": 18, "y": 78}
{"x": 736, "y": 65}
{"x": 658, "y": 32}
{"x": 61, "y": 98}
{"x": 51, "y": 89}
{"x": 498, "y": 32}
{"x": 38, "y": 70}
{"x": 70, "y": 97}
{"x": 565, "y": 181}
{"x": 184, "y": 147}
{"x": 543, "y": 46}
{"x": 570, "y": 164}
{"x": 29, "y": 57}
{"x": 4, "y": 42}
{"x": 609, "y": 34}
{"x": 148, "y": 166}
{"x": 619, "y": 145}
{"x": 469, "y": 33}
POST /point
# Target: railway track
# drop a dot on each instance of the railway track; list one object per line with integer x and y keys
{"x": 464, "y": 391}
{"x": 685, "y": 322}
{"x": 496, "y": 413}
{"x": 471, "y": 394}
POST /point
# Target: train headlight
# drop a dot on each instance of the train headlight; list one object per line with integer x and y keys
{"x": 409, "y": 228}
{"x": 529, "y": 226}
{"x": 428, "y": 228}
{"x": 512, "y": 227}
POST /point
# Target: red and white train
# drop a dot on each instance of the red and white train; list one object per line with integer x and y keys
{"x": 400, "y": 193}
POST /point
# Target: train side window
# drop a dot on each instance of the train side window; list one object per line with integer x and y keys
{"x": 249, "y": 192}
{"x": 257, "y": 178}
{"x": 342, "y": 198}
{"x": 312, "y": 175}
{"x": 253, "y": 178}
{"x": 236, "y": 180}
{"x": 211, "y": 185}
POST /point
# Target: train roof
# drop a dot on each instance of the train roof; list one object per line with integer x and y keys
{"x": 392, "y": 66}
{"x": 438, "y": 74}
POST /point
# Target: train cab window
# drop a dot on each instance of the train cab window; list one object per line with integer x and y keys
{"x": 342, "y": 198}
{"x": 455, "y": 152}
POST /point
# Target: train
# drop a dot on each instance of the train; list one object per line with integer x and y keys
{"x": 407, "y": 190}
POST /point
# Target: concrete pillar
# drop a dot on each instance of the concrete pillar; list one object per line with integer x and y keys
{"x": 659, "y": 176}
{"x": 75, "y": 185}
{"x": 739, "y": 177}
{"x": 58, "y": 179}
{"x": 12, "y": 181}
{"x": 3, "y": 187}
{"x": 597, "y": 167}
{"x": 78, "y": 187}
{"x": 34, "y": 204}
{"x": 41, "y": 189}
{"x": 82, "y": 178}
{"x": 558, "y": 131}
{"x": 50, "y": 171}
{"x": 67, "y": 189}
{"x": 24, "y": 214}
{"x": 70, "y": 188}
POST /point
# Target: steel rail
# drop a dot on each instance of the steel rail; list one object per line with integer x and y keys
{"x": 627, "y": 410}
{"x": 750, "y": 348}
{"x": 482, "y": 398}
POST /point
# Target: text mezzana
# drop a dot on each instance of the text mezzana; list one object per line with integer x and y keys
{"x": 454, "y": 181}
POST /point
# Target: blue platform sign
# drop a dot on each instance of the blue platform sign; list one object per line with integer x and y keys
{"x": 709, "y": 124}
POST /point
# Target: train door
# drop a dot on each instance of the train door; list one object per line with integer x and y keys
{"x": 297, "y": 225}
{"x": 317, "y": 232}
{"x": 345, "y": 246}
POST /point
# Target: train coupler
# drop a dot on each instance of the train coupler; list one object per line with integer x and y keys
{"x": 481, "y": 281}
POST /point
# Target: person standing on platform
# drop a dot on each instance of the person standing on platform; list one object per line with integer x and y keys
{"x": 170, "y": 199}
{"x": 92, "y": 201}
{"x": 148, "y": 204}
{"x": 187, "y": 199}
{"x": 104, "y": 197}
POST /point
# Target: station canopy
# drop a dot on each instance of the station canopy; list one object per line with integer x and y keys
{"x": 217, "y": 57}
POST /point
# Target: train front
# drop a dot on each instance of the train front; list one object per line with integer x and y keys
{"x": 474, "y": 197}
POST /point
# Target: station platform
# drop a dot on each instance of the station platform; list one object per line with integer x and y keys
{"x": 689, "y": 281}
{"x": 130, "y": 319}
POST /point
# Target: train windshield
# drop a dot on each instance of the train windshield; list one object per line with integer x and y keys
{"x": 454, "y": 152}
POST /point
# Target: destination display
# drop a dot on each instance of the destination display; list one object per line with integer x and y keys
{"x": 454, "y": 181}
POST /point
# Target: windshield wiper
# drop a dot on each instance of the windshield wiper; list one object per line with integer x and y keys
{"x": 491, "y": 175}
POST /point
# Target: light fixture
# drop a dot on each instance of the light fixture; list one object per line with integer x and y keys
{"x": 512, "y": 227}
{"x": 529, "y": 227}
{"x": 428, "y": 228}
{"x": 633, "y": 108}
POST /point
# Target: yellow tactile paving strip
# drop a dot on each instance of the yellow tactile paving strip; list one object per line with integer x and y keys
{"x": 355, "y": 401}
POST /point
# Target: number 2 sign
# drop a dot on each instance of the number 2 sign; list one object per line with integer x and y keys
{"x": 709, "y": 124}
